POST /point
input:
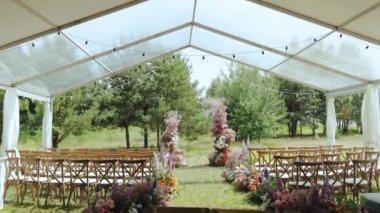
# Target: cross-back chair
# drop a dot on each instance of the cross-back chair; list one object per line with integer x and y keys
{"x": 306, "y": 174}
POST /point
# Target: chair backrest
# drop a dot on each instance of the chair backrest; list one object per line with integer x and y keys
{"x": 266, "y": 159}
{"x": 309, "y": 158}
{"x": 359, "y": 148}
{"x": 104, "y": 170}
{"x": 294, "y": 147}
{"x": 78, "y": 171}
{"x": 343, "y": 152}
{"x": 131, "y": 171}
{"x": 310, "y": 147}
{"x": 11, "y": 153}
{"x": 284, "y": 166}
{"x": 371, "y": 155}
{"x": 324, "y": 147}
{"x": 336, "y": 171}
{"x": 309, "y": 152}
{"x": 338, "y": 146}
{"x": 363, "y": 171}
{"x": 294, "y": 152}
{"x": 13, "y": 168}
{"x": 53, "y": 170}
{"x": 31, "y": 169}
{"x": 330, "y": 157}
{"x": 369, "y": 148}
{"x": 328, "y": 151}
{"x": 354, "y": 155}
{"x": 307, "y": 173}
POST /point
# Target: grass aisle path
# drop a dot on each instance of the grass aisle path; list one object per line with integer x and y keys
{"x": 203, "y": 186}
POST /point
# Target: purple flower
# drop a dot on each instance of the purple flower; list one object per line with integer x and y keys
{"x": 266, "y": 173}
{"x": 279, "y": 183}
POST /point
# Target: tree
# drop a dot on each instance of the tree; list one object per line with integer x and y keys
{"x": 253, "y": 105}
{"x": 73, "y": 113}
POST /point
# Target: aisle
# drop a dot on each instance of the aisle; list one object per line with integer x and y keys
{"x": 203, "y": 186}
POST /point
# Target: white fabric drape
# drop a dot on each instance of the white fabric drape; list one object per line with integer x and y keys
{"x": 371, "y": 117}
{"x": 330, "y": 121}
{"x": 11, "y": 130}
{"x": 47, "y": 125}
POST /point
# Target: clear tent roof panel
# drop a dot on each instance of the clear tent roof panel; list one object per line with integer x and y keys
{"x": 131, "y": 24}
{"x": 259, "y": 24}
{"x": 69, "y": 77}
{"x": 148, "y": 50}
{"x": 38, "y": 56}
{"x": 313, "y": 76}
{"x": 346, "y": 54}
{"x": 224, "y": 46}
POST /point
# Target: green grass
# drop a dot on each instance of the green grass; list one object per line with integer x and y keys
{"x": 201, "y": 185}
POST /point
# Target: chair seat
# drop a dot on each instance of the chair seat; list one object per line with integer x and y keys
{"x": 350, "y": 181}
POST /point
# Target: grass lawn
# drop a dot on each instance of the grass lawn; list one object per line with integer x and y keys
{"x": 201, "y": 185}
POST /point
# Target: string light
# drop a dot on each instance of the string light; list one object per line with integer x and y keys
{"x": 367, "y": 47}
{"x": 143, "y": 54}
{"x": 315, "y": 40}
{"x": 59, "y": 33}
{"x": 262, "y": 52}
{"x": 286, "y": 48}
{"x": 33, "y": 44}
{"x": 114, "y": 49}
{"x": 86, "y": 42}
{"x": 173, "y": 56}
{"x": 233, "y": 56}
{"x": 340, "y": 35}
{"x": 203, "y": 57}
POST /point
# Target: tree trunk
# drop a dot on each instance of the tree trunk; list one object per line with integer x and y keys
{"x": 301, "y": 130}
{"x": 55, "y": 139}
{"x": 293, "y": 128}
{"x": 127, "y": 139}
{"x": 145, "y": 137}
{"x": 158, "y": 134}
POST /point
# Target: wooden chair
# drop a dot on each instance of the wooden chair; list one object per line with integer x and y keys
{"x": 284, "y": 166}
{"x": 310, "y": 147}
{"x": 102, "y": 174}
{"x": 309, "y": 158}
{"x": 309, "y": 152}
{"x": 330, "y": 157}
{"x": 336, "y": 174}
{"x": 294, "y": 148}
{"x": 14, "y": 176}
{"x": 337, "y": 146}
{"x": 274, "y": 148}
{"x": 363, "y": 173}
{"x": 306, "y": 174}
{"x": 343, "y": 152}
{"x": 328, "y": 151}
{"x": 55, "y": 178}
{"x": 253, "y": 152}
{"x": 32, "y": 178}
{"x": 324, "y": 147}
{"x": 266, "y": 160}
{"x": 130, "y": 172}
{"x": 374, "y": 155}
{"x": 359, "y": 149}
{"x": 78, "y": 172}
{"x": 288, "y": 152}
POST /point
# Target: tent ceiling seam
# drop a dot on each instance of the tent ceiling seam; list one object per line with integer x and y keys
{"x": 256, "y": 67}
{"x": 317, "y": 21}
{"x": 86, "y": 52}
{"x": 71, "y": 24}
{"x": 101, "y": 54}
{"x": 121, "y": 70}
{"x": 278, "y": 52}
{"x": 192, "y": 21}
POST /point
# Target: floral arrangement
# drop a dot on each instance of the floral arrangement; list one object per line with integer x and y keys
{"x": 169, "y": 142}
{"x": 272, "y": 195}
{"x": 169, "y": 184}
{"x": 239, "y": 171}
{"x": 223, "y": 135}
{"x": 137, "y": 198}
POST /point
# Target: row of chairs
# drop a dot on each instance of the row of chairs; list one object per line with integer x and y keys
{"x": 337, "y": 173}
{"x": 43, "y": 173}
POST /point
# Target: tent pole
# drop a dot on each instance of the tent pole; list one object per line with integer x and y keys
{"x": 330, "y": 120}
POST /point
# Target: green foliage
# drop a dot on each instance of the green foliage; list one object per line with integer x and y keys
{"x": 253, "y": 110}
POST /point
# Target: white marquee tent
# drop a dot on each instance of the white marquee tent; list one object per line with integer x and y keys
{"x": 50, "y": 47}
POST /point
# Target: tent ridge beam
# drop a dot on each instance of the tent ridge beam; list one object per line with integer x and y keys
{"x": 101, "y": 54}
{"x": 121, "y": 70}
{"x": 71, "y": 24}
{"x": 278, "y": 52}
{"x": 255, "y": 67}
{"x": 320, "y": 22}
{"x": 35, "y": 13}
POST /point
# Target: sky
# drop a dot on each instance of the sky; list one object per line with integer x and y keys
{"x": 204, "y": 70}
